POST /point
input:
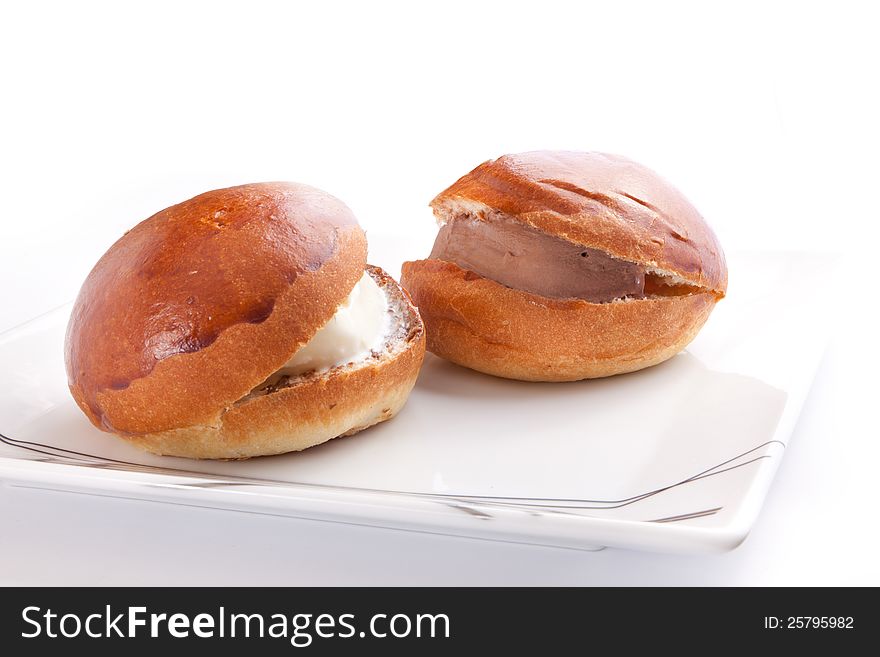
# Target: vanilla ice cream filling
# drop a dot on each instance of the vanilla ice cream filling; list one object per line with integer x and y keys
{"x": 359, "y": 327}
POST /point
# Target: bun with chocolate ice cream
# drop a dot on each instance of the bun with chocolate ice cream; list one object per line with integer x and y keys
{"x": 242, "y": 322}
{"x": 559, "y": 266}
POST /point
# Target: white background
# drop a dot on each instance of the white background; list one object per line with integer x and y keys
{"x": 765, "y": 115}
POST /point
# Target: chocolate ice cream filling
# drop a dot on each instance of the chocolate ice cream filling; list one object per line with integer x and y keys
{"x": 521, "y": 257}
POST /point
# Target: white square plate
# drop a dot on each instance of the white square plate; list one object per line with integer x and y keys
{"x": 675, "y": 458}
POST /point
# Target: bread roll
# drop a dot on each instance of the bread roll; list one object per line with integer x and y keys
{"x": 559, "y": 266}
{"x": 181, "y": 324}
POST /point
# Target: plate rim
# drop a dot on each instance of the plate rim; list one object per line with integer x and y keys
{"x": 464, "y": 519}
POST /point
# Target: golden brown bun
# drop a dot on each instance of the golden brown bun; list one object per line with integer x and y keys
{"x": 602, "y": 201}
{"x": 312, "y": 408}
{"x": 478, "y": 323}
{"x": 593, "y": 200}
{"x": 195, "y": 306}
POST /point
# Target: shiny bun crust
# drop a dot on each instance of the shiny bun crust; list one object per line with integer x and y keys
{"x": 195, "y": 306}
{"x": 597, "y": 200}
{"x": 593, "y": 200}
{"x": 312, "y": 409}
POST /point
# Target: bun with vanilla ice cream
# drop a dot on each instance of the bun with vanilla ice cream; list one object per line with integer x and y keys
{"x": 242, "y": 322}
